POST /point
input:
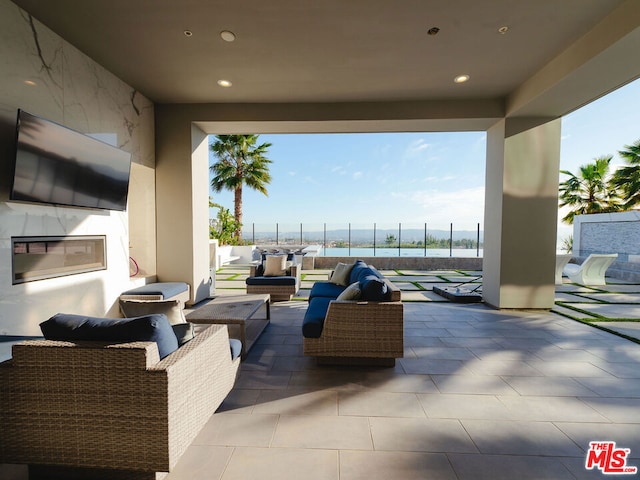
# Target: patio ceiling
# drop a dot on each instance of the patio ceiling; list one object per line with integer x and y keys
{"x": 360, "y": 51}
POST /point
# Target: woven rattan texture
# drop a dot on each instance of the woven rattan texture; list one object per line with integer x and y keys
{"x": 360, "y": 329}
{"x": 88, "y": 404}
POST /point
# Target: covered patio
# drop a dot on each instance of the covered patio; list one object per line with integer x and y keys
{"x": 479, "y": 394}
{"x": 500, "y": 390}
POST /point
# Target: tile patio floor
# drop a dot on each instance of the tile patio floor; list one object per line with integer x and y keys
{"x": 479, "y": 394}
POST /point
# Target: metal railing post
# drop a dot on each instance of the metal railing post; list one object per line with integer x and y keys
{"x": 399, "y": 237}
{"x": 324, "y": 239}
{"x": 425, "y": 239}
{"x": 451, "y": 240}
{"x": 349, "y": 239}
{"x": 374, "y": 239}
{"x": 277, "y": 239}
{"x": 478, "y": 242}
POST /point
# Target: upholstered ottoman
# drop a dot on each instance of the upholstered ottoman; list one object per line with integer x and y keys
{"x": 159, "y": 291}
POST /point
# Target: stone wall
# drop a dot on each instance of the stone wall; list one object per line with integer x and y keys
{"x": 406, "y": 263}
{"x": 610, "y": 233}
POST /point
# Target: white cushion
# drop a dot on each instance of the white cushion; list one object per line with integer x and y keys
{"x": 275, "y": 265}
{"x": 341, "y": 274}
{"x": 352, "y": 292}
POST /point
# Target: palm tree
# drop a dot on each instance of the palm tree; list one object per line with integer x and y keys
{"x": 240, "y": 162}
{"x": 627, "y": 179}
{"x": 590, "y": 191}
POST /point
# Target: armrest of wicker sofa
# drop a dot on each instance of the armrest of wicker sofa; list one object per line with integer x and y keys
{"x": 113, "y": 406}
{"x": 360, "y": 330}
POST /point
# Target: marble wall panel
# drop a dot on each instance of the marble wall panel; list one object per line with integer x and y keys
{"x": 68, "y": 87}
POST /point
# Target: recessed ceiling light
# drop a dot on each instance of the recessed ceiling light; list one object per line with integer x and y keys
{"x": 227, "y": 36}
{"x": 31, "y": 83}
{"x": 224, "y": 83}
{"x": 503, "y": 30}
{"x": 188, "y": 33}
{"x": 461, "y": 78}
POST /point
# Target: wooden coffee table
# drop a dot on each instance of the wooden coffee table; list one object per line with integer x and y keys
{"x": 237, "y": 313}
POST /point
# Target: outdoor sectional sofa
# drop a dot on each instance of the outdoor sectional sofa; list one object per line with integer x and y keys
{"x": 358, "y": 319}
{"x": 105, "y": 409}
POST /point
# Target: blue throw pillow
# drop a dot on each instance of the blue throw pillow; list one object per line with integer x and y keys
{"x": 149, "y": 328}
{"x": 358, "y": 267}
{"x": 373, "y": 289}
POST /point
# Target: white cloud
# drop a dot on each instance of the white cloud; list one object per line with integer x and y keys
{"x": 465, "y": 207}
{"x": 416, "y": 148}
{"x": 357, "y": 175}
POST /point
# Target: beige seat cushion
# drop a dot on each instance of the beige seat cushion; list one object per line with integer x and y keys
{"x": 137, "y": 308}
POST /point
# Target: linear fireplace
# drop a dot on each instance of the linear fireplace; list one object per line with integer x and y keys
{"x": 38, "y": 258}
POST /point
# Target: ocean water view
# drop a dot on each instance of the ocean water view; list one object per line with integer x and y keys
{"x": 401, "y": 252}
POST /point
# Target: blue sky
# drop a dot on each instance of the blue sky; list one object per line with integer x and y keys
{"x": 413, "y": 178}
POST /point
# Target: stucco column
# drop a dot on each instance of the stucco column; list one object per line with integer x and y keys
{"x": 182, "y": 199}
{"x": 521, "y": 210}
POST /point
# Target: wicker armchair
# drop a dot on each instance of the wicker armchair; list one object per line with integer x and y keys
{"x": 279, "y": 288}
{"x": 80, "y": 407}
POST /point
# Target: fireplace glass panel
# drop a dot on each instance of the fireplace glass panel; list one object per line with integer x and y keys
{"x": 38, "y": 258}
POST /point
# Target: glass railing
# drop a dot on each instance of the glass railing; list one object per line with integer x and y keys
{"x": 371, "y": 240}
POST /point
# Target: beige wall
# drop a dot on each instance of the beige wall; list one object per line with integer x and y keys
{"x": 73, "y": 90}
{"x": 182, "y": 184}
{"x": 521, "y": 209}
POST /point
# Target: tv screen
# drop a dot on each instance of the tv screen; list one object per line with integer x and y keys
{"x": 59, "y": 166}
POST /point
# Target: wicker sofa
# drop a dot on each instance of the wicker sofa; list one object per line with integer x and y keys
{"x": 360, "y": 331}
{"x": 109, "y": 410}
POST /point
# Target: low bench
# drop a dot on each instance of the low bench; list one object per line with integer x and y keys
{"x": 159, "y": 291}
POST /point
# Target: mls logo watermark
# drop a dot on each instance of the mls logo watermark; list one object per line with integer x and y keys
{"x": 609, "y": 459}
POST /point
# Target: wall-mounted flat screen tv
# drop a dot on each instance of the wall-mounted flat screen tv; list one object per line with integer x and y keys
{"x": 59, "y": 166}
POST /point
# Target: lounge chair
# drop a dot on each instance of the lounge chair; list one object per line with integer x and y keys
{"x": 561, "y": 262}
{"x": 592, "y": 270}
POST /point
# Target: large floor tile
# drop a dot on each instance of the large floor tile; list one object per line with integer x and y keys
{"x": 228, "y": 429}
{"x": 297, "y": 402}
{"x": 469, "y": 384}
{"x": 613, "y": 387}
{"x": 548, "y": 409}
{"x": 464, "y": 406}
{"x": 420, "y": 435}
{"x": 315, "y": 431}
{"x": 379, "y": 404}
{"x": 201, "y": 462}
{"x": 626, "y": 435}
{"x": 549, "y": 386}
{"x": 282, "y": 464}
{"x": 401, "y": 383}
{"x": 617, "y": 410}
{"x": 394, "y": 465}
{"x": 520, "y": 438}
{"x": 508, "y": 467}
